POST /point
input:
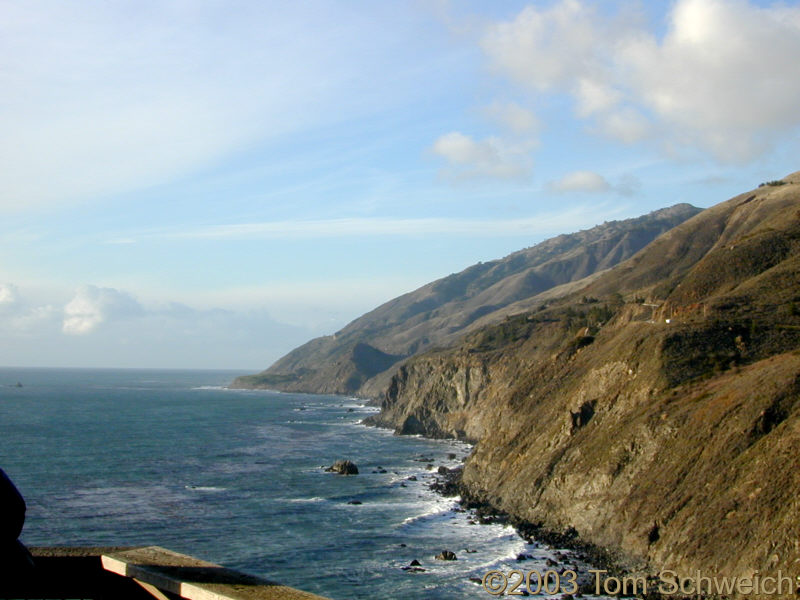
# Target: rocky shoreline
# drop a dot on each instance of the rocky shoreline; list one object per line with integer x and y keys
{"x": 559, "y": 549}
{"x": 448, "y": 483}
{"x": 648, "y": 414}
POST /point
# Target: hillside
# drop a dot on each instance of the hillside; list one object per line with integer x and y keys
{"x": 655, "y": 411}
{"x": 360, "y": 358}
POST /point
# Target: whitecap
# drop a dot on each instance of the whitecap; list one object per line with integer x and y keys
{"x": 205, "y": 488}
{"x": 311, "y": 500}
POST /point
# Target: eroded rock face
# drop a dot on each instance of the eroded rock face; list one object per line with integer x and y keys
{"x": 343, "y": 467}
{"x": 672, "y": 444}
{"x": 687, "y": 477}
{"x": 434, "y": 397}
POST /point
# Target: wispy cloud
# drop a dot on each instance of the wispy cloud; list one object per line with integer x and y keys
{"x": 576, "y": 217}
{"x": 100, "y": 97}
{"x": 513, "y": 117}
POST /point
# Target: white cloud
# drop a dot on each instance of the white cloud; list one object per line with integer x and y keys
{"x": 581, "y": 181}
{"x": 725, "y": 75}
{"x": 108, "y": 327}
{"x": 201, "y": 339}
{"x": 722, "y": 80}
{"x": 21, "y": 316}
{"x": 92, "y": 306}
{"x": 9, "y": 295}
{"x": 593, "y": 183}
{"x": 491, "y": 157}
{"x": 513, "y": 117}
{"x": 547, "y": 49}
{"x": 626, "y": 125}
{"x": 595, "y": 96}
{"x": 32, "y": 319}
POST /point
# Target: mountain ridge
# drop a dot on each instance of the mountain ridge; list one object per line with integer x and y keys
{"x": 443, "y": 310}
{"x": 655, "y": 412}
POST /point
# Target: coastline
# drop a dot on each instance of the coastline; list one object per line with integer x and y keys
{"x": 448, "y": 483}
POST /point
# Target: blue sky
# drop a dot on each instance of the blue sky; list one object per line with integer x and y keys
{"x": 209, "y": 184}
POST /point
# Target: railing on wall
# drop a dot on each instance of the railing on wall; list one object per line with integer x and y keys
{"x": 138, "y": 573}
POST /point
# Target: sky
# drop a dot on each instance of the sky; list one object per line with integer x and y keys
{"x": 208, "y": 184}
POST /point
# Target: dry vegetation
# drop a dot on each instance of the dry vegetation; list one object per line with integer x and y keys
{"x": 656, "y": 411}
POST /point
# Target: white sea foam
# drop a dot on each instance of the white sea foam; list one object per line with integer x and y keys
{"x": 433, "y": 511}
{"x": 312, "y": 500}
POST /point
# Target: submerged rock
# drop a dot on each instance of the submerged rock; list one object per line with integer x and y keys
{"x": 446, "y": 555}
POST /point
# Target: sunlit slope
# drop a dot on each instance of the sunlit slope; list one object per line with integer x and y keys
{"x": 352, "y": 360}
{"x": 656, "y": 410}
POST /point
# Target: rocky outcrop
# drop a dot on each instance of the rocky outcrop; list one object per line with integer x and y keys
{"x": 360, "y": 358}
{"x": 343, "y": 467}
{"x": 655, "y": 412}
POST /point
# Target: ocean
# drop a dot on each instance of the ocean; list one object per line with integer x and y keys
{"x": 175, "y": 459}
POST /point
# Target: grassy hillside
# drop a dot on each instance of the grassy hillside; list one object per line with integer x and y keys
{"x": 442, "y": 311}
{"x": 655, "y": 411}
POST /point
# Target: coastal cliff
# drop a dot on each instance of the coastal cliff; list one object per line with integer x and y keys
{"x": 361, "y": 358}
{"x": 655, "y": 411}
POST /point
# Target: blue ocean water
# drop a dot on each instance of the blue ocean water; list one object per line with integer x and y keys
{"x": 173, "y": 458}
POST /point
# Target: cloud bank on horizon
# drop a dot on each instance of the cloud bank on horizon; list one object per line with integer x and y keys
{"x": 254, "y": 174}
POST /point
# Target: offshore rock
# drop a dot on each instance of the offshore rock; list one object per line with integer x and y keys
{"x": 343, "y": 467}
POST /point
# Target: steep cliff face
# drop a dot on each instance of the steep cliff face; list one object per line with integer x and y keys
{"x": 442, "y": 311}
{"x": 656, "y": 411}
